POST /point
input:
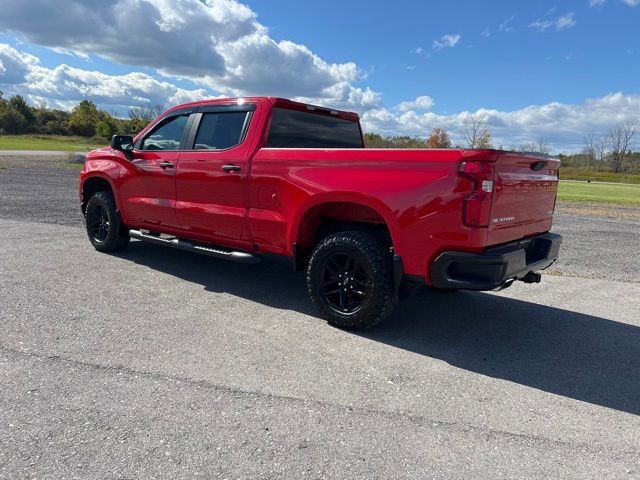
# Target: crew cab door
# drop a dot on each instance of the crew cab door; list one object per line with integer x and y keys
{"x": 211, "y": 174}
{"x": 148, "y": 192}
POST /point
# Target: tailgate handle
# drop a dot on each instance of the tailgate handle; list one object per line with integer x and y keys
{"x": 537, "y": 166}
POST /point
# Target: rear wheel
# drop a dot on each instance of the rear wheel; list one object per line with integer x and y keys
{"x": 350, "y": 280}
{"x": 103, "y": 223}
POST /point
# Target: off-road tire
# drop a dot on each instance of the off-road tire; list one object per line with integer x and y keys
{"x": 376, "y": 269}
{"x": 112, "y": 237}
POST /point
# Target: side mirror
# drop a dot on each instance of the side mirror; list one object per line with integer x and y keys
{"x": 123, "y": 143}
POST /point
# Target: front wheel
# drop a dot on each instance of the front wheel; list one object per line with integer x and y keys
{"x": 350, "y": 280}
{"x": 103, "y": 223}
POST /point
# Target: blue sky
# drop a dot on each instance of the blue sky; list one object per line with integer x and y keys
{"x": 534, "y": 70}
{"x": 508, "y": 69}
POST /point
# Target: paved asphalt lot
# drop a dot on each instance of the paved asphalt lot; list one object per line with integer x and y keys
{"x": 156, "y": 363}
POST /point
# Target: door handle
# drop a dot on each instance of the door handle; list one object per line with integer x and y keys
{"x": 164, "y": 165}
{"x": 230, "y": 168}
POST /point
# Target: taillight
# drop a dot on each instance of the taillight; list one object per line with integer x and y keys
{"x": 477, "y": 205}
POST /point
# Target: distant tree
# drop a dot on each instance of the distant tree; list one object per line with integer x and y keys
{"x": 3, "y": 103}
{"x": 107, "y": 127}
{"x": 19, "y": 104}
{"x": 439, "y": 138}
{"x": 602, "y": 151}
{"x": 51, "y": 121}
{"x": 620, "y": 137}
{"x": 84, "y": 118}
{"x": 374, "y": 140}
{"x": 140, "y": 117}
{"x": 12, "y": 122}
{"x": 589, "y": 150}
{"x": 56, "y": 127}
{"x": 543, "y": 146}
{"x": 476, "y": 132}
{"x": 540, "y": 146}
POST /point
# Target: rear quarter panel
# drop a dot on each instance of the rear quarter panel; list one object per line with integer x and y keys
{"x": 416, "y": 192}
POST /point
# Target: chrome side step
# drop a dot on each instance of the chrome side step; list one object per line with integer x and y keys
{"x": 234, "y": 256}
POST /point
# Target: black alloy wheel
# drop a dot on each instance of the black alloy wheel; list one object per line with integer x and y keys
{"x": 350, "y": 279}
{"x": 98, "y": 223}
{"x": 344, "y": 283}
{"x": 104, "y": 229}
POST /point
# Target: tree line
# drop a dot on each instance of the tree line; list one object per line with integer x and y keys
{"x": 476, "y": 134}
{"x": 85, "y": 119}
{"x": 609, "y": 152}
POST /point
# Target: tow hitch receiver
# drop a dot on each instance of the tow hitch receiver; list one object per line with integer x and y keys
{"x": 532, "y": 277}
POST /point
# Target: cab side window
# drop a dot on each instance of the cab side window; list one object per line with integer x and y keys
{"x": 221, "y": 130}
{"x": 167, "y": 135}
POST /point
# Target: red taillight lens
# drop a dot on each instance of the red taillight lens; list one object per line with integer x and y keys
{"x": 477, "y": 205}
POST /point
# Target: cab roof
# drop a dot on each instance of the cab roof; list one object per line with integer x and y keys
{"x": 273, "y": 102}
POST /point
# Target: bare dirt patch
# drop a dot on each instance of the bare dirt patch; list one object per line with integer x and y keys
{"x": 586, "y": 209}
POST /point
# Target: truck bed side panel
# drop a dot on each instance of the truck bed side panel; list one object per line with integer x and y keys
{"x": 417, "y": 192}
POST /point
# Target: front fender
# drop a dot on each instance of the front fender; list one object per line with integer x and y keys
{"x": 110, "y": 167}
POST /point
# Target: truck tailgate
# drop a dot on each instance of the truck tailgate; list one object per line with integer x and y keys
{"x": 524, "y": 196}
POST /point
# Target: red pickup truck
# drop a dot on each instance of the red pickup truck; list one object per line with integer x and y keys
{"x": 237, "y": 178}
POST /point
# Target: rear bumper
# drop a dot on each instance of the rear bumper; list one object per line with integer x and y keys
{"x": 496, "y": 267}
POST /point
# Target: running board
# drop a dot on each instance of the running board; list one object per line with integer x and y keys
{"x": 234, "y": 256}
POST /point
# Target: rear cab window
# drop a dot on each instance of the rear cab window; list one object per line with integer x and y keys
{"x": 221, "y": 130}
{"x": 298, "y": 129}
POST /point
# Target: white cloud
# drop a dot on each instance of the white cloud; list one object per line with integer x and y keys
{"x": 445, "y": 41}
{"x": 565, "y": 21}
{"x": 421, "y": 103}
{"x": 71, "y": 53}
{"x": 631, "y": 3}
{"x": 541, "y": 25}
{"x": 216, "y": 43}
{"x": 346, "y": 97}
{"x": 562, "y": 125}
{"x": 560, "y": 23}
{"x": 486, "y": 33}
{"x": 64, "y": 86}
{"x": 505, "y": 26}
{"x": 14, "y": 65}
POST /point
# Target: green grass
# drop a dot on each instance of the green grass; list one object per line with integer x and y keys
{"x": 622, "y": 194}
{"x": 46, "y": 142}
{"x": 573, "y": 173}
